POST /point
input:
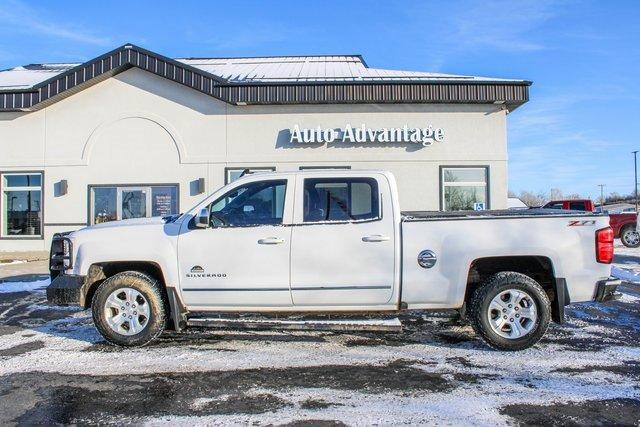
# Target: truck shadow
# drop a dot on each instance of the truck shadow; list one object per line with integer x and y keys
{"x": 626, "y": 259}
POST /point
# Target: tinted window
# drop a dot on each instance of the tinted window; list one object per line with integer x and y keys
{"x": 554, "y": 206}
{"x": 336, "y": 199}
{"x": 578, "y": 206}
{"x": 257, "y": 203}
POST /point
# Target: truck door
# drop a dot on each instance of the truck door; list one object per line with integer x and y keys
{"x": 343, "y": 242}
{"x": 242, "y": 259}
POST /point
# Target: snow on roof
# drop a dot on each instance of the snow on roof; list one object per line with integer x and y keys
{"x": 277, "y": 69}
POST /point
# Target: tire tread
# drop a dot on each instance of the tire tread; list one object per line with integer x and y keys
{"x": 488, "y": 289}
{"x": 154, "y": 287}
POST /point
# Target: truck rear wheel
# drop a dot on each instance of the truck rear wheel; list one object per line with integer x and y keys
{"x": 630, "y": 237}
{"x": 510, "y": 311}
{"x": 128, "y": 309}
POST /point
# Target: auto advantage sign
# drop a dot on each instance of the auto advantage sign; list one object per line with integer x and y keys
{"x": 362, "y": 134}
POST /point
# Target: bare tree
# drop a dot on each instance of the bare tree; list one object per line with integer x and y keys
{"x": 532, "y": 200}
{"x": 555, "y": 194}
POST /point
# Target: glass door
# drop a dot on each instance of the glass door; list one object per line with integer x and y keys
{"x": 133, "y": 202}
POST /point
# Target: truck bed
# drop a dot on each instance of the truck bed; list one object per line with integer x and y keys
{"x": 492, "y": 214}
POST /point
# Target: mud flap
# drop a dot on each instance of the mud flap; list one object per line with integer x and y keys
{"x": 561, "y": 300}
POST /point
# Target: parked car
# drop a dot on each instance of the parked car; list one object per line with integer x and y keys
{"x": 624, "y": 224}
{"x": 332, "y": 242}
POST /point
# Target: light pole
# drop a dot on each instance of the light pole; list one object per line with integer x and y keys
{"x": 635, "y": 175}
{"x": 601, "y": 195}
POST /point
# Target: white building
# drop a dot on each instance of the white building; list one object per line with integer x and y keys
{"x": 132, "y": 133}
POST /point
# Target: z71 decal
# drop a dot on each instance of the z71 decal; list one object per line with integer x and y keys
{"x": 579, "y": 223}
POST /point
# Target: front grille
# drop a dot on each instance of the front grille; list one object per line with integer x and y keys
{"x": 60, "y": 257}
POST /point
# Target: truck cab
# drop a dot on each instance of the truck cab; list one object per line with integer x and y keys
{"x": 585, "y": 205}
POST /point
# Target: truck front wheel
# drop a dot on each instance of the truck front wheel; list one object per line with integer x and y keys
{"x": 510, "y": 311}
{"x": 629, "y": 236}
{"x": 128, "y": 309}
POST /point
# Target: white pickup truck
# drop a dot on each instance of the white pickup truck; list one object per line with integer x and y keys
{"x": 329, "y": 241}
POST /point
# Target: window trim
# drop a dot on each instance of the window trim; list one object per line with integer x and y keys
{"x": 346, "y": 221}
{"x": 92, "y": 186}
{"x": 228, "y": 169}
{"x": 487, "y": 183}
{"x": 42, "y": 202}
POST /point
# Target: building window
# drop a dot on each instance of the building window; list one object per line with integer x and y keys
{"x": 464, "y": 188}
{"x": 21, "y": 204}
{"x": 112, "y": 203}
{"x": 340, "y": 199}
{"x": 302, "y": 168}
{"x": 231, "y": 174}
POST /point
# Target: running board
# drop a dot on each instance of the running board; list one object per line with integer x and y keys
{"x": 378, "y": 325}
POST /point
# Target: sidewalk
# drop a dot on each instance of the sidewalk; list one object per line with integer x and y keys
{"x": 22, "y": 264}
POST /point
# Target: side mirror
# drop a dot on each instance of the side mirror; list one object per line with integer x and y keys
{"x": 202, "y": 220}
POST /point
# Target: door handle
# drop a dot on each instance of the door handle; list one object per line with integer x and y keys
{"x": 376, "y": 238}
{"x": 271, "y": 241}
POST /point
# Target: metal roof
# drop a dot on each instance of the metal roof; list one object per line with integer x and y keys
{"x": 259, "y": 80}
{"x": 332, "y": 68}
{"x": 302, "y": 69}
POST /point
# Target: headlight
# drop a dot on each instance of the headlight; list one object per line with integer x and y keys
{"x": 61, "y": 256}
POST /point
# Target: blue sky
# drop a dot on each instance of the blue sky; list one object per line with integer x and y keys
{"x": 577, "y": 131}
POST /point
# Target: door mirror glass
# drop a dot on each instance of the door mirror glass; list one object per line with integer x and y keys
{"x": 202, "y": 220}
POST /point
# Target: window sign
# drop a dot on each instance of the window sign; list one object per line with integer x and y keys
{"x": 464, "y": 188}
{"x": 21, "y": 205}
{"x": 164, "y": 201}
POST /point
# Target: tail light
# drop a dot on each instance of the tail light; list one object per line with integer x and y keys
{"x": 604, "y": 245}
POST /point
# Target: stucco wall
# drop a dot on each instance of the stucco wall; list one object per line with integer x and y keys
{"x": 139, "y": 128}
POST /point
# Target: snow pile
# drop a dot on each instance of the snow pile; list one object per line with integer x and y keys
{"x": 38, "y": 285}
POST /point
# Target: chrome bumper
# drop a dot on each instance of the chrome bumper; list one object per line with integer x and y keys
{"x": 606, "y": 290}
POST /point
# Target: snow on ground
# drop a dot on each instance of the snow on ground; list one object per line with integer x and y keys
{"x": 56, "y": 368}
{"x": 36, "y": 285}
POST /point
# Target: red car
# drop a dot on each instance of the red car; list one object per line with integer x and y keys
{"x": 623, "y": 224}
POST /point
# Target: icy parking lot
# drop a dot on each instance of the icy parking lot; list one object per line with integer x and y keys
{"x": 55, "y": 368}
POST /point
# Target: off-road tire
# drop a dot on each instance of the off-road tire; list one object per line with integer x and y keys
{"x": 624, "y": 237}
{"x": 150, "y": 288}
{"x": 493, "y": 286}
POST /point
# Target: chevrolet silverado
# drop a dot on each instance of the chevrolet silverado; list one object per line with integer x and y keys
{"x": 330, "y": 241}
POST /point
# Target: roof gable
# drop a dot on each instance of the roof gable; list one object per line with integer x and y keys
{"x": 260, "y": 80}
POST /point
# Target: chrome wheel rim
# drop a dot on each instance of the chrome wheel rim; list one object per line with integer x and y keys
{"x": 512, "y": 314}
{"x": 632, "y": 237}
{"x": 127, "y": 311}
